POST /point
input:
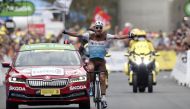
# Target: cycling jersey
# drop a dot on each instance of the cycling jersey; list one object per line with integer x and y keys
{"x": 97, "y": 47}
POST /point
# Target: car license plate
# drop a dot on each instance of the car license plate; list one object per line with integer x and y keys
{"x": 50, "y": 92}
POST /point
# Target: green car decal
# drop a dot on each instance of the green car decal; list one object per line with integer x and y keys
{"x": 47, "y": 46}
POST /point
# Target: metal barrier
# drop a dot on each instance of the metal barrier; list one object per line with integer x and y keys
{"x": 1, "y": 75}
{"x": 181, "y": 71}
{"x": 3, "y": 70}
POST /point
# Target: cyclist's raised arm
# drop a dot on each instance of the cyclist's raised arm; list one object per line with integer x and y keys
{"x": 109, "y": 36}
{"x": 86, "y": 34}
{"x": 121, "y": 36}
{"x": 71, "y": 34}
{"x": 91, "y": 30}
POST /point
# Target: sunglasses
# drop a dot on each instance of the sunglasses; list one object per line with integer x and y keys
{"x": 98, "y": 28}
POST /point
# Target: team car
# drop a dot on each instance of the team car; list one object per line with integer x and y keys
{"x": 47, "y": 74}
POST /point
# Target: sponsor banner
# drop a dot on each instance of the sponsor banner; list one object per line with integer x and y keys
{"x": 180, "y": 71}
{"x": 188, "y": 67}
{"x": 47, "y": 71}
{"x": 24, "y": 8}
{"x": 166, "y": 60}
{"x": 187, "y": 8}
{"x": 47, "y": 47}
{"x": 37, "y": 28}
{"x": 77, "y": 87}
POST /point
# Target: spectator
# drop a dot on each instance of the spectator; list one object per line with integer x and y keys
{"x": 163, "y": 41}
{"x": 127, "y": 28}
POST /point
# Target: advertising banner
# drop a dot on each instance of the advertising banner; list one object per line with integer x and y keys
{"x": 37, "y": 28}
{"x": 23, "y": 8}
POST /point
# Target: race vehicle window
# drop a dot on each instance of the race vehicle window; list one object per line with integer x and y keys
{"x": 48, "y": 58}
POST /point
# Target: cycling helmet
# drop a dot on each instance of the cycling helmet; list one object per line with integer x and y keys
{"x": 134, "y": 32}
{"x": 127, "y": 24}
{"x": 99, "y": 23}
{"x": 142, "y": 33}
{"x": 137, "y": 32}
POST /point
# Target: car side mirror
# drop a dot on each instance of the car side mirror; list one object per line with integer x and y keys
{"x": 127, "y": 54}
{"x": 6, "y": 65}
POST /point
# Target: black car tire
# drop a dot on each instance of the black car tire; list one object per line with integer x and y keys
{"x": 85, "y": 105}
{"x": 150, "y": 83}
{"x": 135, "y": 83}
{"x": 10, "y": 105}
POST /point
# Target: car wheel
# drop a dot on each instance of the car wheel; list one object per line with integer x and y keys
{"x": 85, "y": 105}
{"x": 135, "y": 83}
{"x": 10, "y": 105}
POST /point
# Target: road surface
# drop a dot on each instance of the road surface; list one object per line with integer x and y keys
{"x": 167, "y": 95}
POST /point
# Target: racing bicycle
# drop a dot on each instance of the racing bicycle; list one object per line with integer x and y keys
{"x": 97, "y": 95}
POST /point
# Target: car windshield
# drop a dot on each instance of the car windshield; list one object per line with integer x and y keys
{"x": 47, "y": 58}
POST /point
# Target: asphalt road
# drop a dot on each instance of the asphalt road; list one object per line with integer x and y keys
{"x": 167, "y": 95}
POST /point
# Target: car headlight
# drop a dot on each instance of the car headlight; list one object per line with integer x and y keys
{"x": 79, "y": 79}
{"x": 16, "y": 80}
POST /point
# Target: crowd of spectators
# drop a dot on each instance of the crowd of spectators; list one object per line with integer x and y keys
{"x": 178, "y": 40}
{"x": 10, "y": 42}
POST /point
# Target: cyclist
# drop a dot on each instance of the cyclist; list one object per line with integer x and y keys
{"x": 97, "y": 41}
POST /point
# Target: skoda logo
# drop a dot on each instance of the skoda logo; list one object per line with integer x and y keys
{"x": 47, "y": 78}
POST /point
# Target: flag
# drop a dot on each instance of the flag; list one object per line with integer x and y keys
{"x": 100, "y": 14}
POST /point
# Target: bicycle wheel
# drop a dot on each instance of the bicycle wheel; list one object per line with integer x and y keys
{"x": 98, "y": 102}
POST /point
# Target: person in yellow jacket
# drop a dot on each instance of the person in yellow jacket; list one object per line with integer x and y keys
{"x": 139, "y": 44}
{"x": 134, "y": 36}
{"x": 3, "y": 33}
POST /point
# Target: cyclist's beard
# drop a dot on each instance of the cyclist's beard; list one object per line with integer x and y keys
{"x": 98, "y": 34}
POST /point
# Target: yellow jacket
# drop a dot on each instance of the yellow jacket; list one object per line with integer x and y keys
{"x": 141, "y": 47}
